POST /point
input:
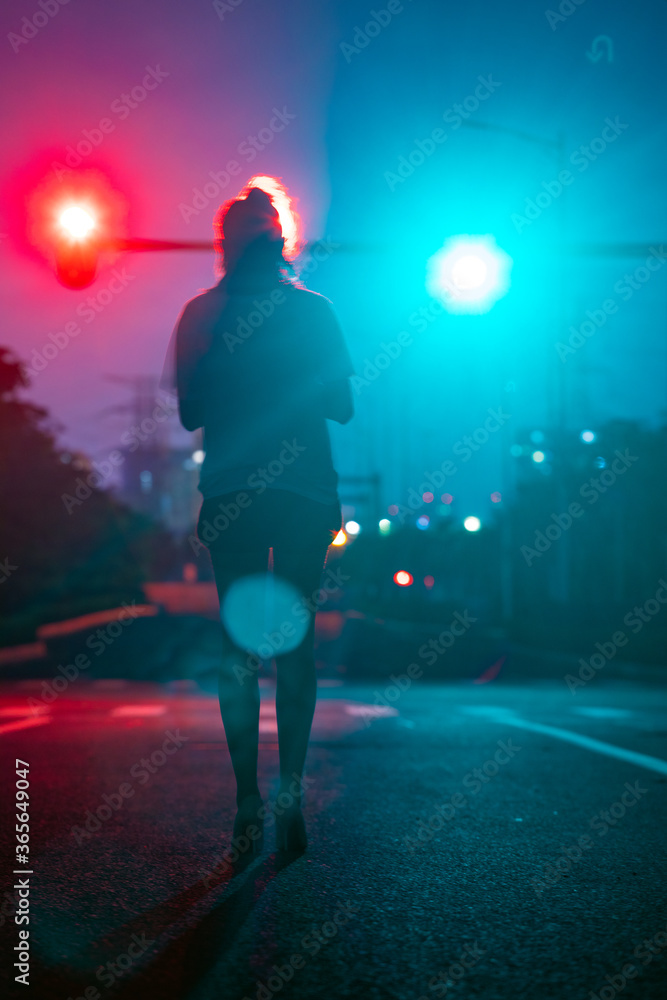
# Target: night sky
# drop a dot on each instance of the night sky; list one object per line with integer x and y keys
{"x": 220, "y": 75}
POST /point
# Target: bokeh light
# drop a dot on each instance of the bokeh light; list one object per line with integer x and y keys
{"x": 258, "y": 613}
{"x": 472, "y": 523}
{"x": 469, "y": 274}
{"x": 403, "y": 578}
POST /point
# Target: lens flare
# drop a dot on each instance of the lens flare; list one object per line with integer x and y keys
{"x": 258, "y": 613}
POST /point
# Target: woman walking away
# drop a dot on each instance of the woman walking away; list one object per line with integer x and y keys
{"x": 260, "y": 364}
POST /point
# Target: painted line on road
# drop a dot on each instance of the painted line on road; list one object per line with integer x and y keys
{"x": 130, "y": 711}
{"x": 509, "y": 718}
{"x": 11, "y": 727}
{"x": 14, "y": 710}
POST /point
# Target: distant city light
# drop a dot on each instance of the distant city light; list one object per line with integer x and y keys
{"x": 340, "y": 538}
{"x": 428, "y": 582}
{"x": 403, "y": 578}
{"x": 588, "y": 437}
{"x": 392, "y": 509}
{"x": 352, "y": 527}
{"x": 469, "y": 274}
{"x": 423, "y": 522}
{"x": 472, "y": 524}
{"x": 496, "y": 497}
{"x": 446, "y": 497}
{"x": 538, "y": 456}
{"x": 385, "y": 526}
{"x": 198, "y": 456}
{"x": 427, "y": 497}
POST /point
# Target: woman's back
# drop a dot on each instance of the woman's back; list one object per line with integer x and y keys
{"x": 260, "y": 386}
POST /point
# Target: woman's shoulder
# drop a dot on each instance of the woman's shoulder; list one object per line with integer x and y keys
{"x": 307, "y": 299}
{"x": 204, "y": 305}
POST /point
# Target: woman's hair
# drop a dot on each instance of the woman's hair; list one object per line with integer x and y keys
{"x": 249, "y": 242}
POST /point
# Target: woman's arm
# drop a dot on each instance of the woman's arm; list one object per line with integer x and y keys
{"x": 190, "y": 412}
{"x": 337, "y": 400}
{"x": 192, "y": 342}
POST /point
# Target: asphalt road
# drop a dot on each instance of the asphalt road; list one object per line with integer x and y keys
{"x": 490, "y": 841}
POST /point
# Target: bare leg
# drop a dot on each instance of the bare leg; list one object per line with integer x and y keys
{"x": 239, "y": 708}
{"x": 238, "y": 690}
{"x": 296, "y": 686}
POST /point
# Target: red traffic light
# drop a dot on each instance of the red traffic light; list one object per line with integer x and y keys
{"x": 73, "y": 221}
{"x": 77, "y": 250}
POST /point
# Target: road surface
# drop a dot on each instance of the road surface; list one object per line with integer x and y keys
{"x": 491, "y": 840}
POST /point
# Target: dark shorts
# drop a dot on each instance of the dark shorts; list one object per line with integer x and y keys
{"x": 272, "y": 519}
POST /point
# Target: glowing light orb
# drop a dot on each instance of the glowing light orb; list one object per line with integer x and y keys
{"x": 588, "y": 437}
{"x": 423, "y": 522}
{"x": 340, "y": 538}
{"x": 384, "y": 525}
{"x": 496, "y": 497}
{"x": 76, "y": 222}
{"x": 403, "y": 578}
{"x": 198, "y": 456}
{"x": 538, "y": 457}
{"x": 392, "y": 509}
{"x": 446, "y": 497}
{"x": 428, "y": 582}
{"x": 352, "y": 527}
{"x": 286, "y": 208}
{"x": 469, "y": 274}
{"x": 255, "y": 611}
{"x": 472, "y": 524}
{"x": 427, "y": 497}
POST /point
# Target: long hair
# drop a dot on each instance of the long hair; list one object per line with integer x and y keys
{"x": 249, "y": 244}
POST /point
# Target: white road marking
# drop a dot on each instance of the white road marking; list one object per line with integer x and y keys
{"x": 370, "y": 711}
{"x": 509, "y": 718}
{"x": 10, "y": 727}
{"x": 134, "y": 710}
{"x": 603, "y": 713}
{"x": 23, "y": 710}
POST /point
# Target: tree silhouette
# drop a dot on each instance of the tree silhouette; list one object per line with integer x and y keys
{"x": 58, "y": 560}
